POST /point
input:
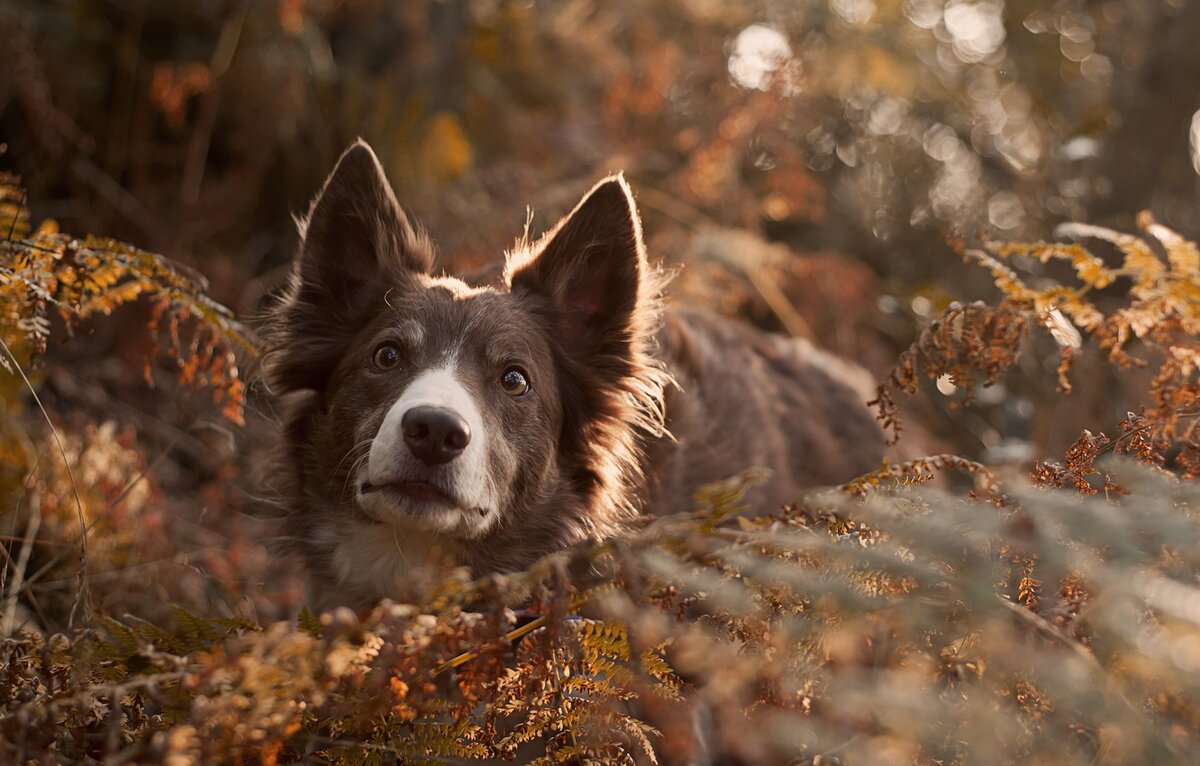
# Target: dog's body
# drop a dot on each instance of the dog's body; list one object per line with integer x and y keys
{"x": 498, "y": 423}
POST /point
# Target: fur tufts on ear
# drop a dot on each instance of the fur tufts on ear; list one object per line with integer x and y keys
{"x": 592, "y": 268}
{"x": 355, "y": 243}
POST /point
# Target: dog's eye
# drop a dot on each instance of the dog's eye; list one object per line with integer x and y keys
{"x": 387, "y": 356}
{"x": 515, "y": 381}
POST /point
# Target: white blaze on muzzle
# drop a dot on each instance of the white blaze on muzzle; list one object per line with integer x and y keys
{"x": 465, "y": 476}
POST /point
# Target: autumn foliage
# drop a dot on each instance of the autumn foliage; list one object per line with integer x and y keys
{"x": 47, "y": 275}
{"x": 1044, "y": 617}
{"x": 1027, "y": 594}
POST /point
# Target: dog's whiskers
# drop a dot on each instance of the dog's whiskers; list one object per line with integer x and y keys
{"x": 399, "y": 547}
{"x": 349, "y": 452}
{"x": 353, "y": 472}
{"x": 364, "y": 446}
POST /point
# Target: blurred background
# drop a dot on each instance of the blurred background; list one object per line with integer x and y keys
{"x": 803, "y": 163}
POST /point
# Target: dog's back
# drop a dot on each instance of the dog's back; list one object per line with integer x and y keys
{"x": 750, "y": 399}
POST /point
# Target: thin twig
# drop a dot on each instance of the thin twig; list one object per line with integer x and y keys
{"x": 576, "y": 602}
{"x": 123, "y": 201}
{"x": 1039, "y": 623}
{"x": 509, "y": 637}
{"x": 80, "y": 593}
{"x": 778, "y": 302}
{"x": 49, "y": 565}
{"x": 10, "y": 602}
{"x": 12, "y": 227}
{"x": 17, "y": 510}
{"x": 197, "y": 154}
{"x": 674, "y": 208}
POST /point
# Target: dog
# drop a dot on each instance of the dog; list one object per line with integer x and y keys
{"x": 497, "y": 421}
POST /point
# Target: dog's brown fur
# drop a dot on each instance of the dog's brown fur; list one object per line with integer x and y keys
{"x": 589, "y": 447}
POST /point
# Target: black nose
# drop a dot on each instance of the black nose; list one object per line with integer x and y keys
{"x": 435, "y": 435}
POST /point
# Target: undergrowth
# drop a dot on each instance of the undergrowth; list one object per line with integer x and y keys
{"x": 1052, "y": 617}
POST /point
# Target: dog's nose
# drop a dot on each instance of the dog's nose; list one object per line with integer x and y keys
{"x": 435, "y": 435}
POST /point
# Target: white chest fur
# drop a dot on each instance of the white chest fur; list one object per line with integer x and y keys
{"x": 375, "y": 560}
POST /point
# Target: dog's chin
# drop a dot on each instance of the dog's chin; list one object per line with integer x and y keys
{"x": 421, "y": 505}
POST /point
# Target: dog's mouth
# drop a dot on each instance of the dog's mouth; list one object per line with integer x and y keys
{"x": 414, "y": 489}
{"x": 425, "y": 493}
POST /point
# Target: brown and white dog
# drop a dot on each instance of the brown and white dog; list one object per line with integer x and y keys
{"x": 500, "y": 422}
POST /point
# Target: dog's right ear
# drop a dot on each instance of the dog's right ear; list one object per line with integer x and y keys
{"x": 356, "y": 243}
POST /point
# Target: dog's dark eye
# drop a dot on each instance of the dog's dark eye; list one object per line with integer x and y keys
{"x": 515, "y": 381}
{"x": 387, "y": 356}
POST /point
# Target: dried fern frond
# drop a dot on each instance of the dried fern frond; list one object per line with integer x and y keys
{"x": 965, "y": 343}
{"x": 1158, "y": 312}
{"x": 918, "y": 471}
{"x": 44, "y": 272}
{"x": 1043, "y": 623}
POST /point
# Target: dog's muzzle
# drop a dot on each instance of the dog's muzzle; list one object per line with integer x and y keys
{"x": 428, "y": 463}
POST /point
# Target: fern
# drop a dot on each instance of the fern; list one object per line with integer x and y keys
{"x": 882, "y": 621}
{"x": 1158, "y": 311}
{"x": 45, "y": 273}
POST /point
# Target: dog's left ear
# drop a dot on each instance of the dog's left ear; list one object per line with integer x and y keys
{"x": 592, "y": 267}
{"x": 356, "y": 244}
{"x": 355, "y": 233}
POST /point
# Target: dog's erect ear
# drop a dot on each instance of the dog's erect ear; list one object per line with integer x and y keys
{"x": 355, "y": 231}
{"x": 592, "y": 267}
{"x": 356, "y": 244}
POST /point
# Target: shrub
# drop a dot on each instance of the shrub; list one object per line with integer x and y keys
{"x": 1049, "y": 618}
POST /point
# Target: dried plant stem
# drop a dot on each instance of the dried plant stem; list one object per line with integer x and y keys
{"x": 509, "y": 637}
{"x": 81, "y": 592}
{"x": 795, "y": 324}
{"x": 10, "y": 600}
{"x": 577, "y": 602}
{"x": 222, "y": 58}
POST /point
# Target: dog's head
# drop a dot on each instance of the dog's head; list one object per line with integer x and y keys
{"x": 418, "y": 404}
